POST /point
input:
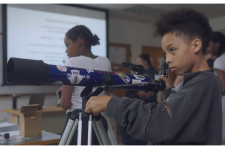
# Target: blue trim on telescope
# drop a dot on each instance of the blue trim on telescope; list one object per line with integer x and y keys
{"x": 88, "y": 77}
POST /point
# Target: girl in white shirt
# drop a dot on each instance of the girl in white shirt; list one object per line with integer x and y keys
{"x": 78, "y": 41}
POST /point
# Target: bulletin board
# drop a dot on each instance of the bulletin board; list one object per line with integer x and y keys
{"x": 119, "y": 53}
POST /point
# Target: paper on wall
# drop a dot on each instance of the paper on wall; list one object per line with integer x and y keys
{"x": 117, "y": 55}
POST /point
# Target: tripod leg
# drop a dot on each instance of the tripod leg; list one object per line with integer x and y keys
{"x": 66, "y": 132}
{"x": 72, "y": 132}
{"x": 110, "y": 132}
{"x": 100, "y": 131}
{"x": 90, "y": 130}
{"x": 79, "y": 129}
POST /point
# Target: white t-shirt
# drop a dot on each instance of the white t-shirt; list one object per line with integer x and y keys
{"x": 219, "y": 63}
{"x": 99, "y": 63}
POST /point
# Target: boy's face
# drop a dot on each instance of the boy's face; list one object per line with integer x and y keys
{"x": 180, "y": 55}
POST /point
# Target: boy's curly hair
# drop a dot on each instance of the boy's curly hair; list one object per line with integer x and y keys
{"x": 187, "y": 22}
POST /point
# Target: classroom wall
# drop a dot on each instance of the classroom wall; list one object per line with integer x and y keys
{"x": 138, "y": 34}
{"x": 218, "y": 24}
{"x": 134, "y": 34}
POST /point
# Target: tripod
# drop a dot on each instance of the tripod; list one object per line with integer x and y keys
{"x": 75, "y": 121}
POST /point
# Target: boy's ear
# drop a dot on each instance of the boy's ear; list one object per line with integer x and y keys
{"x": 197, "y": 44}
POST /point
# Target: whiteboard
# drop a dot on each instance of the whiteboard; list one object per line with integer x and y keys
{"x": 5, "y": 90}
{"x": 57, "y": 9}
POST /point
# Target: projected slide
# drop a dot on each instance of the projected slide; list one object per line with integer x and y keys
{"x": 39, "y": 35}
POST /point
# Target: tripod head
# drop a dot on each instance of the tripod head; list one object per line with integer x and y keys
{"x": 138, "y": 69}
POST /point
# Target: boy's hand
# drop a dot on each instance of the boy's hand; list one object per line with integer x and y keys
{"x": 97, "y": 104}
{"x": 168, "y": 81}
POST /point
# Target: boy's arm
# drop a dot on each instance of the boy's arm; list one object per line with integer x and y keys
{"x": 150, "y": 122}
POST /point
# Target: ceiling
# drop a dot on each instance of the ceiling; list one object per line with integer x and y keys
{"x": 147, "y": 13}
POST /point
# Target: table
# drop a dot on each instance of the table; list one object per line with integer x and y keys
{"x": 45, "y": 139}
{"x": 51, "y": 116}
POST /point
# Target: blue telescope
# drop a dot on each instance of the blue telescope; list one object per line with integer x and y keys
{"x": 36, "y": 72}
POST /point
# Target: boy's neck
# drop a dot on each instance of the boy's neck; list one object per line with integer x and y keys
{"x": 200, "y": 65}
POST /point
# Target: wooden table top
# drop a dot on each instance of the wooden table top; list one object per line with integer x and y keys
{"x": 49, "y": 109}
{"x": 47, "y": 142}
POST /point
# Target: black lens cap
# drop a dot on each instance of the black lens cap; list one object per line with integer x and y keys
{"x": 6, "y": 135}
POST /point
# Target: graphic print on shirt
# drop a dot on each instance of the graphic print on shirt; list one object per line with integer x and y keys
{"x": 75, "y": 76}
{"x": 62, "y": 68}
{"x": 124, "y": 77}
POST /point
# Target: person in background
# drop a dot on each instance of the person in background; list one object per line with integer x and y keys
{"x": 151, "y": 72}
{"x": 149, "y": 97}
{"x": 217, "y": 47}
{"x": 210, "y": 63}
{"x": 208, "y": 52}
{"x": 78, "y": 41}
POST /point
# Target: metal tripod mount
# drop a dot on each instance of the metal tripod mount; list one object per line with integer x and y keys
{"x": 138, "y": 69}
{"x": 103, "y": 137}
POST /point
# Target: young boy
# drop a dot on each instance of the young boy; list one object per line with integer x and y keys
{"x": 191, "y": 112}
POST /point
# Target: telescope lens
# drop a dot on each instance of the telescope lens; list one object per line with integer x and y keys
{"x": 26, "y": 71}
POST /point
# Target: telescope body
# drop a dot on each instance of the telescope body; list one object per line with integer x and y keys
{"x": 35, "y": 72}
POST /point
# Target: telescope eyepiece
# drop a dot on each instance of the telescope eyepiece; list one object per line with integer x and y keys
{"x": 164, "y": 67}
{"x": 139, "y": 69}
{"x": 126, "y": 64}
